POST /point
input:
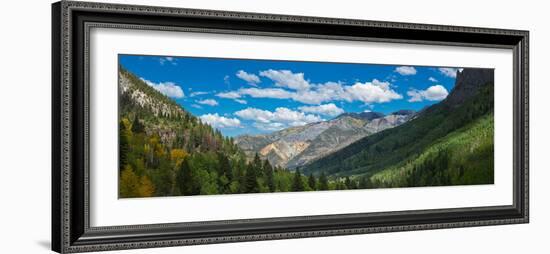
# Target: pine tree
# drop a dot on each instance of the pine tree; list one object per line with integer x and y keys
{"x": 323, "y": 182}
{"x": 257, "y": 163}
{"x": 297, "y": 183}
{"x": 363, "y": 183}
{"x": 312, "y": 182}
{"x": 224, "y": 167}
{"x": 347, "y": 182}
{"x": 184, "y": 178}
{"x": 268, "y": 171}
{"x": 137, "y": 126}
{"x": 251, "y": 183}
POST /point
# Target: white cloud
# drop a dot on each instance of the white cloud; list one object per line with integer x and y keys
{"x": 258, "y": 115}
{"x": 193, "y": 94}
{"x": 405, "y": 70}
{"x": 209, "y": 102}
{"x": 325, "y": 109}
{"x": 218, "y": 121}
{"x": 269, "y": 126}
{"x": 432, "y": 79}
{"x": 234, "y": 95}
{"x": 169, "y": 89}
{"x": 281, "y": 117}
{"x": 276, "y": 93}
{"x": 168, "y": 59}
{"x": 372, "y": 92}
{"x": 196, "y": 106}
{"x": 229, "y": 95}
{"x": 450, "y": 72}
{"x": 250, "y": 78}
{"x": 322, "y": 93}
{"x": 286, "y": 78}
{"x": 226, "y": 79}
{"x": 368, "y": 92}
{"x": 240, "y": 101}
{"x": 433, "y": 93}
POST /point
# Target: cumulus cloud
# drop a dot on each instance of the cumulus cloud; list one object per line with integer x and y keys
{"x": 322, "y": 93}
{"x": 433, "y": 93}
{"x": 449, "y": 72}
{"x": 280, "y": 118}
{"x": 209, "y": 102}
{"x": 325, "y": 109}
{"x": 169, "y": 89}
{"x": 250, "y": 78}
{"x": 368, "y": 92}
{"x": 287, "y": 79}
{"x": 218, "y": 121}
{"x": 432, "y": 79}
{"x": 373, "y": 92}
{"x": 255, "y": 114}
{"x": 405, "y": 70}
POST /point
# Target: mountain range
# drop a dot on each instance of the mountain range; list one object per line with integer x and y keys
{"x": 450, "y": 142}
{"x": 297, "y": 146}
{"x": 166, "y": 151}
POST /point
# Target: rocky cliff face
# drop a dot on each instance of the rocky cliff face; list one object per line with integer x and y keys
{"x": 468, "y": 82}
{"x": 137, "y": 97}
{"x": 297, "y": 146}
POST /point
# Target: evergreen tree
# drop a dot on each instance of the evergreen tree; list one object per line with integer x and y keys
{"x": 323, "y": 182}
{"x": 224, "y": 167}
{"x": 348, "y": 183}
{"x": 297, "y": 183}
{"x": 363, "y": 183}
{"x": 268, "y": 171}
{"x": 123, "y": 146}
{"x": 137, "y": 126}
{"x": 251, "y": 183}
{"x": 312, "y": 182}
{"x": 257, "y": 164}
{"x": 184, "y": 178}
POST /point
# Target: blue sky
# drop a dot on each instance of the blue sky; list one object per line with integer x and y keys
{"x": 241, "y": 96}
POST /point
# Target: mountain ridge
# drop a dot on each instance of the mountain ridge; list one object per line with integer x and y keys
{"x": 471, "y": 98}
{"x": 296, "y": 146}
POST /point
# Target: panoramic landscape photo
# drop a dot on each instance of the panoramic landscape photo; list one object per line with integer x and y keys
{"x": 204, "y": 126}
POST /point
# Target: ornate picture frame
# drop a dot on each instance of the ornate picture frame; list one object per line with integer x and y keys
{"x": 71, "y": 24}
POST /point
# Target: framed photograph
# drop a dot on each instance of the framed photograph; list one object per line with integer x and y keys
{"x": 181, "y": 126}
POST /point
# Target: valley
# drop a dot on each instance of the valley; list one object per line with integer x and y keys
{"x": 164, "y": 150}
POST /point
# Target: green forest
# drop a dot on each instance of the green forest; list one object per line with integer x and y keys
{"x": 166, "y": 151}
{"x": 445, "y": 145}
{"x": 169, "y": 152}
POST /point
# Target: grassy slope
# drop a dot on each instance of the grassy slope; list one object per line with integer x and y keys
{"x": 468, "y": 157}
{"x": 405, "y": 142}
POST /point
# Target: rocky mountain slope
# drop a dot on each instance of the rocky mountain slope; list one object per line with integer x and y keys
{"x": 471, "y": 99}
{"x": 297, "y": 146}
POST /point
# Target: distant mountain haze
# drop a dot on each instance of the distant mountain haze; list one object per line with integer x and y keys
{"x": 296, "y": 146}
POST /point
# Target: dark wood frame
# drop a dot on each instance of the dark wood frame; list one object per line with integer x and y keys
{"x": 71, "y": 22}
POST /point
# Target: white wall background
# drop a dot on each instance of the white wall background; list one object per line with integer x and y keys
{"x": 25, "y": 126}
